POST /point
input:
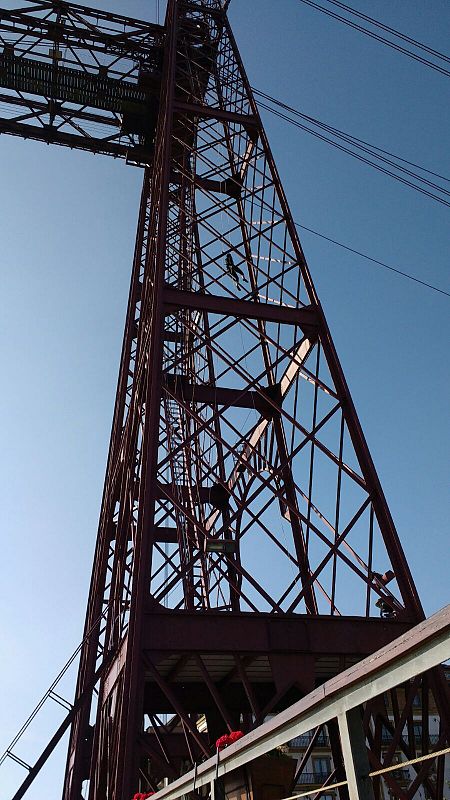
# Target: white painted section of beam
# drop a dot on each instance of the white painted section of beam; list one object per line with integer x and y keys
{"x": 355, "y": 756}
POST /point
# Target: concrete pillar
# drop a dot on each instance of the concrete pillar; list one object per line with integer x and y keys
{"x": 354, "y": 751}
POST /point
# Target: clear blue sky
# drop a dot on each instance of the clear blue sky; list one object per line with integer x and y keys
{"x": 67, "y": 227}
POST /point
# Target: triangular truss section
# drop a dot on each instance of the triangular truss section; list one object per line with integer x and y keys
{"x": 246, "y": 551}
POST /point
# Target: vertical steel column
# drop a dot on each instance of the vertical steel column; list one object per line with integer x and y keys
{"x": 354, "y": 751}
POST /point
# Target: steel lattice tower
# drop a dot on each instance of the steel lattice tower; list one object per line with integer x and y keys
{"x": 245, "y": 547}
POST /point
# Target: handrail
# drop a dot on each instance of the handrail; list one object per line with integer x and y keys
{"x": 423, "y": 647}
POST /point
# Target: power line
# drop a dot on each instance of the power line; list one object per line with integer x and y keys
{"x": 379, "y": 38}
{"x": 370, "y": 163}
{"x": 348, "y": 136}
{"x": 388, "y": 29}
{"x": 376, "y": 261}
{"x": 373, "y": 260}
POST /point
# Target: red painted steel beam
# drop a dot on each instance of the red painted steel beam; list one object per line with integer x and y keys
{"x": 200, "y": 493}
{"x": 218, "y": 395}
{"x": 25, "y": 22}
{"x": 306, "y": 317}
{"x": 264, "y": 633}
{"x": 168, "y": 535}
{"x": 51, "y": 135}
{"x": 248, "y": 121}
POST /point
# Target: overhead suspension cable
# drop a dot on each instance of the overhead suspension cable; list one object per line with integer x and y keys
{"x": 359, "y": 157}
{"x": 353, "y": 250}
{"x": 376, "y": 23}
{"x": 349, "y": 136}
{"x": 362, "y": 151}
{"x": 373, "y": 260}
{"x": 382, "y": 39}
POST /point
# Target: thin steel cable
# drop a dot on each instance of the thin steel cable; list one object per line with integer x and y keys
{"x": 375, "y": 773}
{"x": 362, "y": 158}
{"x": 409, "y": 763}
{"x": 376, "y": 261}
{"x": 347, "y": 136}
{"x": 393, "y": 31}
{"x": 353, "y": 250}
{"x": 324, "y": 788}
{"x": 373, "y": 260}
{"x": 377, "y": 37}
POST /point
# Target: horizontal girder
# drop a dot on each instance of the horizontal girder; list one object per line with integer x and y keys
{"x": 64, "y": 66}
{"x": 70, "y": 85}
{"x": 267, "y": 633}
{"x": 305, "y": 317}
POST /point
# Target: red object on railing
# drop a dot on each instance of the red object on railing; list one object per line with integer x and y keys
{"x": 228, "y": 738}
{"x": 143, "y": 796}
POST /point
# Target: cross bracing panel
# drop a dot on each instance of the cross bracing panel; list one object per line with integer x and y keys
{"x": 246, "y": 552}
{"x": 80, "y": 77}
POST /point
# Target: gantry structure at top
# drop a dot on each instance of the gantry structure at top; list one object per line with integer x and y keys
{"x": 245, "y": 552}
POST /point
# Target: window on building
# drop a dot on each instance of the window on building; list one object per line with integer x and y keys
{"x": 322, "y": 765}
{"x": 386, "y": 736}
{"x": 418, "y": 731}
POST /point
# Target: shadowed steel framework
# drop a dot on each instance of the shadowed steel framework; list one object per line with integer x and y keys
{"x": 245, "y": 552}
